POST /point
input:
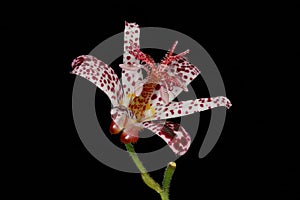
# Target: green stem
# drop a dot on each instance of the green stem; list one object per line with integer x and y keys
{"x": 135, "y": 158}
{"x": 145, "y": 176}
{"x": 164, "y": 190}
{"x": 167, "y": 178}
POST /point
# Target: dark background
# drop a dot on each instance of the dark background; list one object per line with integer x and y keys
{"x": 255, "y": 155}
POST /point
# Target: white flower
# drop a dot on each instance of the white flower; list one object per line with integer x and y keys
{"x": 138, "y": 101}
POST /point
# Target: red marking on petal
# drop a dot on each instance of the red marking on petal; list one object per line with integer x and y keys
{"x": 154, "y": 96}
{"x": 157, "y": 87}
{"x": 78, "y": 61}
{"x": 167, "y": 132}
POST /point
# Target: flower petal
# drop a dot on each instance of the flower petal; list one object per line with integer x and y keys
{"x": 121, "y": 116}
{"x": 186, "y": 72}
{"x": 125, "y": 121}
{"x": 178, "y": 109}
{"x": 130, "y": 77}
{"x": 133, "y": 67}
{"x": 99, "y": 74}
{"x": 172, "y": 133}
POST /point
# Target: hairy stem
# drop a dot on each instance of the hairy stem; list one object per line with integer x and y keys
{"x": 164, "y": 190}
{"x": 145, "y": 176}
{"x": 167, "y": 178}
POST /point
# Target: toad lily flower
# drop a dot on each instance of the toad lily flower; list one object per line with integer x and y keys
{"x": 138, "y": 101}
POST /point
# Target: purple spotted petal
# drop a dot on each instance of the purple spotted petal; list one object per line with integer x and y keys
{"x": 184, "y": 71}
{"x": 100, "y": 74}
{"x": 173, "y": 134}
{"x": 130, "y": 77}
{"x": 178, "y": 109}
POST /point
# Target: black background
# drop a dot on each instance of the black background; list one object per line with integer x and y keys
{"x": 254, "y": 156}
